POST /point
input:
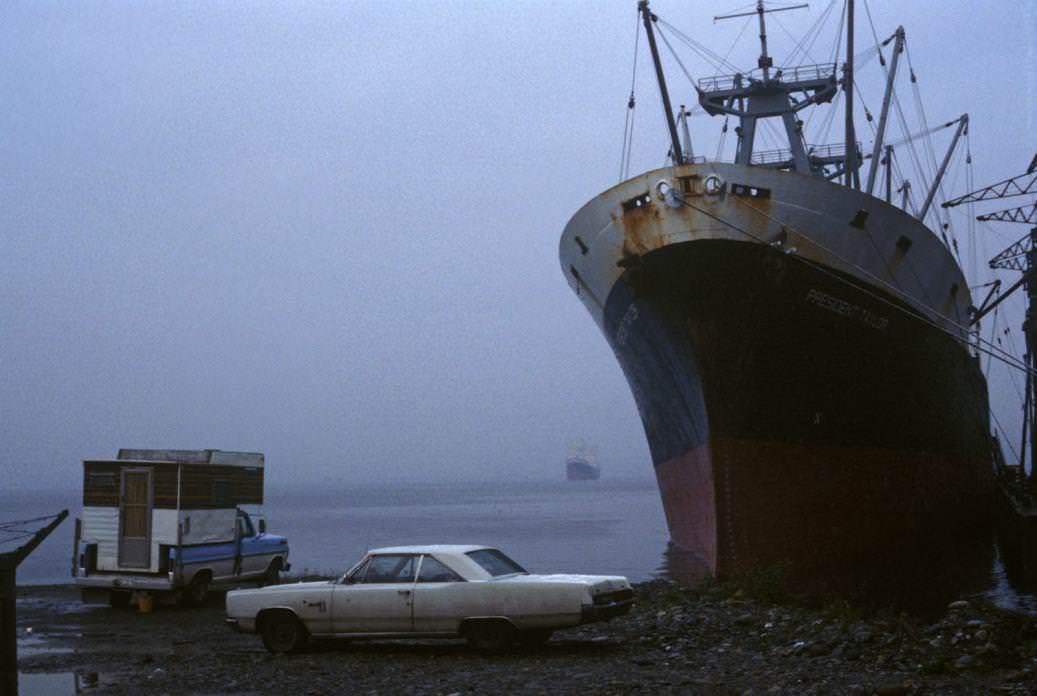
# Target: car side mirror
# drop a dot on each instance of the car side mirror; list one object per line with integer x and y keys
{"x": 262, "y": 526}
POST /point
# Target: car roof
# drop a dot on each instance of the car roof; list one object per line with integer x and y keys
{"x": 431, "y": 548}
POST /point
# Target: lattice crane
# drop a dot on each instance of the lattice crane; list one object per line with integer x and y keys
{"x": 1020, "y": 256}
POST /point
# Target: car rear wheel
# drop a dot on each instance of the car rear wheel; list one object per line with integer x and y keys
{"x": 282, "y": 633}
{"x": 534, "y": 638}
{"x": 489, "y": 637}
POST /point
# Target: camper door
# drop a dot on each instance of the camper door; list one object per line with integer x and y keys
{"x": 135, "y": 518}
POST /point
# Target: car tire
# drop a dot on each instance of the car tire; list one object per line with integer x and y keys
{"x": 272, "y": 576}
{"x": 282, "y": 632}
{"x": 196, "y": 593}
{"x": 534, "y": 638}
{"x": 489, "y": 637}
{"x": 118, "y": 599}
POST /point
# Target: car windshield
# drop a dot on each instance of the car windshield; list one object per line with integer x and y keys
{"x": 495, "y": 563}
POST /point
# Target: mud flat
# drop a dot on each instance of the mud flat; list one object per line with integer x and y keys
{"x": 711, "y": 640}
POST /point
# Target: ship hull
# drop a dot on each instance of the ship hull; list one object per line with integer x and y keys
{"x": 792, "y": 417}
{"x": 796, "y": 412}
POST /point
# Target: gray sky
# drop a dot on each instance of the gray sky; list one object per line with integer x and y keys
{"x": 328, "y": 231}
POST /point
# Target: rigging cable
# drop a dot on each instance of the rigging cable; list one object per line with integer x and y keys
{"x": 711, "y": 57}
{"x": 813, "y": 32}
{"x": 721, "y": 140}
{"x": 628, "y": 125}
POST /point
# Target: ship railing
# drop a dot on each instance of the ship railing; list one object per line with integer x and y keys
{"x": 799, "y": 73}
{"x": 823, "y": 154}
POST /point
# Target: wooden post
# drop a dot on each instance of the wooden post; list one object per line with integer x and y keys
{"x": 8, "y": 628}
{"x": 8, "y": 616}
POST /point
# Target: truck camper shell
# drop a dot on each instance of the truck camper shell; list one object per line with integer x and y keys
{"x": 153, "y": 519}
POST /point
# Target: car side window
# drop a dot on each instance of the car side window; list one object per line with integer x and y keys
{"x": 434, "y": 571}
{"x": 389, "y": 568}
{"x": 358, "y": 574}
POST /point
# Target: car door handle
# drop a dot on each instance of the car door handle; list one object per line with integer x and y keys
{"x": 403, "y": 592}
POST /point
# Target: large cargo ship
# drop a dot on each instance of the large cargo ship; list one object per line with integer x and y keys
{"x": 798, "y": 348}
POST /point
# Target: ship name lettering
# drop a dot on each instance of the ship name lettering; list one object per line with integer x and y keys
{"x": 847, "y": 309}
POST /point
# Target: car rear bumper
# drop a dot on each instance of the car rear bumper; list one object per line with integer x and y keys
{"x": 605, "y": 611}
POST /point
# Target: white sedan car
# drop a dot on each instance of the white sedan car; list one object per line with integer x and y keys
{"x": 474, "y": 592}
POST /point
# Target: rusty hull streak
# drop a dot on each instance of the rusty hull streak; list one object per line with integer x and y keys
{"x": 641, "y": 230}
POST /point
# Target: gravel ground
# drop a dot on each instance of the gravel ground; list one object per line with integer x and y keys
{"x": 715, "y": 639}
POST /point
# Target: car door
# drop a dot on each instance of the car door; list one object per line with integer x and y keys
{"x": 254, "y": 560}
{"x": 312, "y": 605}
{"x": 441, "y": 598}
{"x": 377, "y": 597}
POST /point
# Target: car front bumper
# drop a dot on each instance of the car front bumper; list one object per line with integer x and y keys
{"x": 240, "y": 625}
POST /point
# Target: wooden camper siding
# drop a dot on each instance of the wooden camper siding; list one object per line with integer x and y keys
{"x": 203, "y": 486}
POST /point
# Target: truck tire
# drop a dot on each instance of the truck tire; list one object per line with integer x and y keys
{"x": 489, "y": 637}
{"x": 272, "y": 576}
{"x": 282, "y": 632}
{"x": 118, "y": 599}
{"x": 196, "y": 594}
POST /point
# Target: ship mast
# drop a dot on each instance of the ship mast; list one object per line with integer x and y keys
{"x": 852, "y": 177}
{"x": 675, "y": 144}
{"x": 779, "y": 95}
{"x": 765, "y": 61}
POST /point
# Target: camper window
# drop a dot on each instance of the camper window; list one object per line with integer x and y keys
{"x": 103, "y": 481}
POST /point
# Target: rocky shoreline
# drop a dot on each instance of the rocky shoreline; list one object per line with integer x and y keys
{"x": 713, "y": 639}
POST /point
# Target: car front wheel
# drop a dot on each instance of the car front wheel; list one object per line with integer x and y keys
{"x": 534, "y": 638}
{"x": 282, "y": 633}
{"x": 489, "y": 637}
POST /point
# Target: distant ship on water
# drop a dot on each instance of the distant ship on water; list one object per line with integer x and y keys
{"x": 582, "y": 465}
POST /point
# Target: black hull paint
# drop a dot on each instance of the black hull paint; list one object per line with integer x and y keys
{"x": 800, "y": 407}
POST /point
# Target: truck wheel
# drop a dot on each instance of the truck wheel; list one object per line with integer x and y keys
{"x": 198, "y": 591}
{"x": 273, "y": 574}
{"x": 118, "y": 599}
{"x": 489, "y": 637}
{"x": 282, "y": 633}
{"x": 534, "y": 638}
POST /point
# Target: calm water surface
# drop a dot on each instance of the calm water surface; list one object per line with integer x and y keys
{"x": 611, "y": 527}
{"x": 607, "y": 526}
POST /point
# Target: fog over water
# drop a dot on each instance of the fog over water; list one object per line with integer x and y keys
{"x": 328, "y": 231}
